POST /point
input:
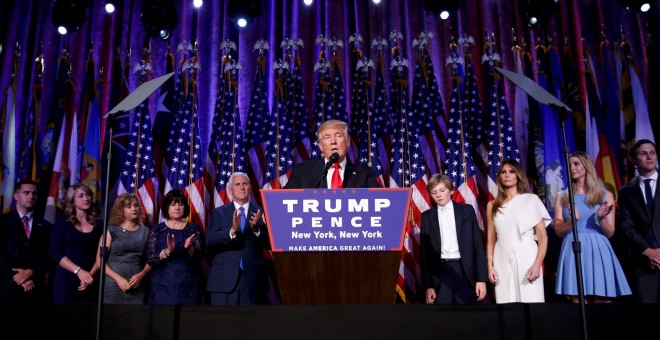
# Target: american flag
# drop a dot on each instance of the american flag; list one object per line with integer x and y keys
{"x": 368, "y": 127}
{"x": 381, "y": 117}
{"x": 225, "y": 103}
{"x": 427, "y": 106}
{"x": 139, "y": 172}
{"x": 356, "y": 111}
{"x": 471, "y": 104}
{"x": 460, "y": 167}
{"x": 329, "y": 97}
{"x": 407, "y": 170}
{"x": 501, "y": 141}
{"x": 257, "y": 122}
{"x": 186, "y": 171}
{"x": 304, "y": 141}
{"x": 279, "y": 161}
{"x": 231, "y": 150}
{"x": 165, "y": 115}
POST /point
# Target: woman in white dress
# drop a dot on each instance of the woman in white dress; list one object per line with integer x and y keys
{"x": 517, "y": 239}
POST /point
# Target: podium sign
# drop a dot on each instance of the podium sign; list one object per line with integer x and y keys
{"x": 307, "y": 220}
{"x": 336, "y": 245}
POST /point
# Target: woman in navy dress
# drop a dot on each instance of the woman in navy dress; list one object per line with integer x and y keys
{"x": 594, "y": 214}
{"x": 174, "y": 253}
{"x": 73, "y": 244}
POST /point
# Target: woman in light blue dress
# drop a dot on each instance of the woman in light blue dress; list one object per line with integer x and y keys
{"x": 594, "y": 213}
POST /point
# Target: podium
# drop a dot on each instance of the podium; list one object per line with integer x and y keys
{"x": 337, "y": 246}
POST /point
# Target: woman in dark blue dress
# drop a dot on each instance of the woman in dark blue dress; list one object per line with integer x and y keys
{"x": 73, "y": 244}
{"x": 174, "y": 252}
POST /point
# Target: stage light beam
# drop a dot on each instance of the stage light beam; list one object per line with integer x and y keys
{"x": 198, "y": 3}
{"x": 645, "y": 7}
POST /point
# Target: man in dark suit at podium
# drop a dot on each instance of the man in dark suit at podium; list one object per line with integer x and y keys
{"x": 235, "y": 241}
{"x": 639, "y": 208}
{"x": 24, "y": 241}
{"x": 333, "y": 170}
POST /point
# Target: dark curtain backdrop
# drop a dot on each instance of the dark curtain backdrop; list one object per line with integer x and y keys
{"x": 579, "y": 23}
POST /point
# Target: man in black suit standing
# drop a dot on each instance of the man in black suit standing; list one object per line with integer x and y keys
{"x": 640, "y": 220}
{"x": 334, "y": 170}
{"x": 24, "y": 241}
{"x": 453, "y": 260}
{"x": 235, "y": 241}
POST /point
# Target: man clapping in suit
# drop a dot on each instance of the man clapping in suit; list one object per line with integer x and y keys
{"x": 24, "y": 240}
{"x": 235, "y": 241}
{"x": 333, "y": 170}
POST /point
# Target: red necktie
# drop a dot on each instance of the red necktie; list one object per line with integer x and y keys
{"x": 336, "y": 178}
{"x": 26, "y": 226}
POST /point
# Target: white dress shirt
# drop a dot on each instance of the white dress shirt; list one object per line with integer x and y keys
{"x": 642, "y": 184}
{"x": 448, "y": 235}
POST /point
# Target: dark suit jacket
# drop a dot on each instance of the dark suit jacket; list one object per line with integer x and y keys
{"x": 307, "y": 175}
{"x": 226, "y": 253}
{"x": 639, "y": 227}
{"x": 470, "y": 244}
{"x": 16, "y": 251}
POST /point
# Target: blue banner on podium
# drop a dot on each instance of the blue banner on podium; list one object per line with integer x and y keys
{"x": 304, "y": 220}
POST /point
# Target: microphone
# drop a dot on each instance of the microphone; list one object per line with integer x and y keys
{"x": 332, "y": 160}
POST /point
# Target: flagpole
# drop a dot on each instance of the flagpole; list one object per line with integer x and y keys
{"x": 577, "y": 247}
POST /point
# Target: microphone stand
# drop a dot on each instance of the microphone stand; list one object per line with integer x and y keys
{"x": 577, "y": 246}
{"x": 103, "y": 250}
{"x": 324, "y": 176}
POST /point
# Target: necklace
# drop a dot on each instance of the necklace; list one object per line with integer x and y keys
{"x": 177, "y": 225}
{"x": 126, "y": 228}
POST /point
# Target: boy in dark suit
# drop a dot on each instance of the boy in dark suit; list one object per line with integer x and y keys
{"x": 24, "y": 241}
{"x": 453, "y": 260}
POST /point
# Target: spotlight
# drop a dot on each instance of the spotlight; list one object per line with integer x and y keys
{"x": 69, "y": 15}
{"x": 109, "y": 7}
{"x": 441, "y": 8}
{"x": 532, "y": 22}
{"x": 243, "y": 10}
{"x": 538, "y": 12}
{"x": 636, "y": 5}
{"x": 376, "y": 2}
{"x": 198, "y": 3}
{"x": 308, "y": 2}
{"x": 158, "y": 17}
{"x": 164, "y": 34}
